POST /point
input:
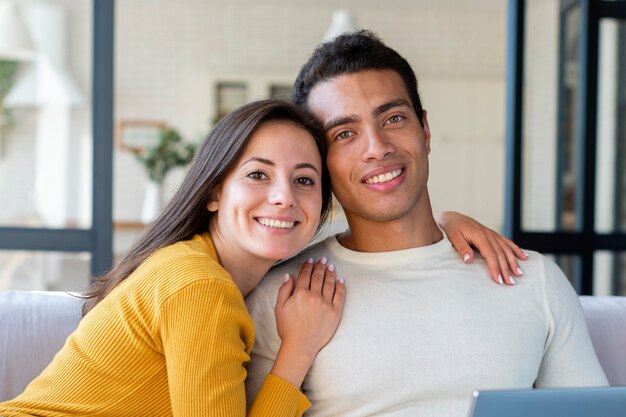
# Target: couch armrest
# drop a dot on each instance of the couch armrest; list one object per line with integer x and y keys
{"x": 606, "y": 319}
{"x": 33, "y": 328}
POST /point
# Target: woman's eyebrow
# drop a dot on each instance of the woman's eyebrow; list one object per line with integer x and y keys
{"x": 306, "y": 165}
{"x": 271, "y": 163}
{"x": 257, "y": 159}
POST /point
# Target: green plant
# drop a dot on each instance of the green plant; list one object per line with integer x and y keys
{"x": 170, "y": 152}
{"x": 8, "y": 71}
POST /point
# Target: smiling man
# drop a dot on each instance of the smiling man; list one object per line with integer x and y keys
{"x": 421, "y": 330}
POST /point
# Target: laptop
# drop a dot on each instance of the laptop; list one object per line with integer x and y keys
{"x": 550, "y": 402}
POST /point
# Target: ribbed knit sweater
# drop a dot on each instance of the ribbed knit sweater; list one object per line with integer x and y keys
{"x": 170, "y": 340}
{"x": 421, "y": 330}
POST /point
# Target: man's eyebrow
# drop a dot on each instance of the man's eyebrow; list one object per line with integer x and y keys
{"x": 390, "y": 105}
{"x": 340, "y": 121}
{"x": 271, "y": 163}
{"x": 377, "y": 112}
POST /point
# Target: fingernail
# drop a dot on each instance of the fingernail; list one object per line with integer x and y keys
{"x": 286, "y": 278}
{"x": 466, "y": 257}
{"x": 519, "y": 271}
{"x": 331, "y": 267}
{"x": 525, "y": 254}
{"x": 500, "y": 280}
{"x": 309, "y": 261}
{"x": 511, "y": 280}
{"x": 341, "y": 281}
{"x": 323, "y": 260}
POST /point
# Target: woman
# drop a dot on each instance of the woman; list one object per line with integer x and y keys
{"x": 166, "y": 332}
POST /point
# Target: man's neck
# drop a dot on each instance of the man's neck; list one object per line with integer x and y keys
{"x": 405, "y": 233}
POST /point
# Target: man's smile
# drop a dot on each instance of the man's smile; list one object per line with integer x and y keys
{"x": 388, "y": 176}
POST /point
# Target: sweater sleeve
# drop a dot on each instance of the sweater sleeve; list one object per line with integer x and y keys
{"x": 206, "y": 335}
{"x": 569, "y": 358}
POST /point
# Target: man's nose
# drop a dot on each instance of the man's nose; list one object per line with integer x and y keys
{"x": 379, "y": 145}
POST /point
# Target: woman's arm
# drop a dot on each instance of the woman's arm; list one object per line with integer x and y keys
{"x": 308, "y": 312}
{"x": 206, "y": 333}
{"x": 500, "y": 253}
{"x": 307, "y": 315}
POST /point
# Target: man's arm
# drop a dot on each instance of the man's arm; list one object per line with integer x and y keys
{"x": 569, "y": 359}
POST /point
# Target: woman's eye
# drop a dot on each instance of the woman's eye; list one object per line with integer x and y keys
{"x": 257, "y": 175}
{"x": 305, "y": 181}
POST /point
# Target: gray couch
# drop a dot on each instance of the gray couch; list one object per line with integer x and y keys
{"x": 34, "y": 326}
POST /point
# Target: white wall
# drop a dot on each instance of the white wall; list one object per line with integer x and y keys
{"x": 169, "y": 54}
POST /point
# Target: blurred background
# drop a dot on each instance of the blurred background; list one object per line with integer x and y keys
{"x": 178, "y": 66}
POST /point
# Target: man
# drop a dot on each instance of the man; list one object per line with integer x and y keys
{"x": 421, "y": 330}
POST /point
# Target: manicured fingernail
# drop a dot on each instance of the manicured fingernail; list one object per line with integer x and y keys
{"x": 466, "y": 257}
{"x": 341, "y": 281}
{"x": 309, "y": 261}
{"x": 323, "y": 260}
{"x": 500, "y": 280}
{"x": 525, "y": 254}
{"x": 511, "y": 280}
{"x": 331, "y": 267}
{"x": 286, "y": 278}
{"x": 519, "y": 271}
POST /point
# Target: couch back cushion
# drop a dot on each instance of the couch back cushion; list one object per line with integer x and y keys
{"x": 33, "y": 327}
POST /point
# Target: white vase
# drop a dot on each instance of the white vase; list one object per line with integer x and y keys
{"x": 152, "y": 201}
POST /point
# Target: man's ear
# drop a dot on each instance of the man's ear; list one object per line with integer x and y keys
{"x": 426, "y": 130}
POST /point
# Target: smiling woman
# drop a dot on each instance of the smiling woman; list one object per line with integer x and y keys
{"x": 270, "y": 203}
{"x": 169, "y": 321}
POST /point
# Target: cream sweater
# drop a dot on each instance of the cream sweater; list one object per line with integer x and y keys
{"x": 421, "y": 330}
{"x": 170, "y": 340}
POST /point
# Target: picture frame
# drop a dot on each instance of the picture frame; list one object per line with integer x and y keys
{"x": 137, "y": 135}
{"x": 229, "y": 95}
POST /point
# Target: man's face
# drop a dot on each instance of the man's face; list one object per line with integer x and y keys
{"x": 378, "y": 150}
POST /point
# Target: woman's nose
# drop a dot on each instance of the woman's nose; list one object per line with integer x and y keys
{"x": 282, "y": 193}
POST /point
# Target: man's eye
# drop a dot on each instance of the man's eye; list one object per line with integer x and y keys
{"x": 305, "y": 181}
{"x": 344, "y": 135}
{"x": 257, "y": 175}
{"x": 395, "y": 119}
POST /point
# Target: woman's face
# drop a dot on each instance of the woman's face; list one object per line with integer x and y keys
{"x": 269, "y": 204}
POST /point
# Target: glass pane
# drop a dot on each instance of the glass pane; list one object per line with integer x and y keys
{"x": 30, "y": 270}
{"x": 611, "y": 159}
{"x": 571, "y": 267}
{"x": 567, "y": 149}
{"x": 45, "y": 109}
{"x": 609, "y": 275}
{"x": 540, "y": 195}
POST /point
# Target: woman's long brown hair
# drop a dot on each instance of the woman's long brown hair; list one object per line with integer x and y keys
{"x": 186, "y": 214}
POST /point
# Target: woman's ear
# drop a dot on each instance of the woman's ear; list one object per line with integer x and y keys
{"x": 212, "y": 206}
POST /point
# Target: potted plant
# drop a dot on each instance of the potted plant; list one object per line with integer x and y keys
{"x": 168, "y": 153}
{"x": 8, "y": 71}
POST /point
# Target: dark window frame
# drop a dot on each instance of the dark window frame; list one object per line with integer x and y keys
{"x": 583, "y": 242}
{"x": 96, "y": 240}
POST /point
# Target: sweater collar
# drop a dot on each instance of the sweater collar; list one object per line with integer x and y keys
{"x": 404, "y": 256}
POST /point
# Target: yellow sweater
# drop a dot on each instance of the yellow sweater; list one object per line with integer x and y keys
{"x": 170, "y": 340}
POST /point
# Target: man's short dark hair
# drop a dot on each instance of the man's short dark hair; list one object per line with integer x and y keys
{"x": 350, "y": 53}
